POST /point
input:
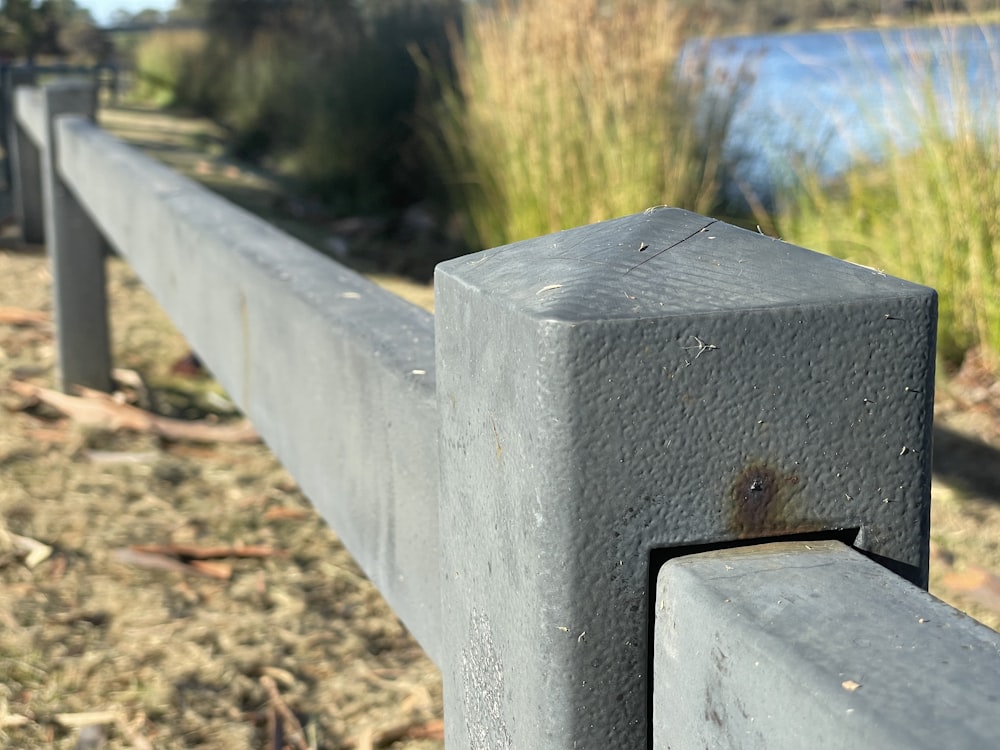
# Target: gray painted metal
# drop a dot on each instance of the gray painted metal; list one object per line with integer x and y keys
{"x": 336, "y": 374}
{"x": 76, "y": 252}
{"x": 29, "y": 105}
{"x": 26, "y": 136}
{"x": 797, "y": 645}
{"x": 652, "y": 382}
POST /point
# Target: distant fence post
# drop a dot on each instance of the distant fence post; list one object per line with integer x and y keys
{"x": 23, "y": 162}
{"x": 618, "y": 394}
{"x": 107, "y": 75}
{"x": 77, "y": 251}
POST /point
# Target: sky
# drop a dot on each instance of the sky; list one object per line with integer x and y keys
{"x": 102, "y": 10}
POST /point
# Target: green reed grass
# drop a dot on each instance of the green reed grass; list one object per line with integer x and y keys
{"x": 930, "y": 212}
{"x": 566, "y": 112}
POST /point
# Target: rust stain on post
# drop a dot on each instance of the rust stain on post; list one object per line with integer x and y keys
{"x": 760, "y": 502}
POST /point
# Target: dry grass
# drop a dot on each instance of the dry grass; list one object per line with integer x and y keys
{"x": 570, "y": 112}
{"x": 164, "y": 658}
{"x": 930, "y": 211}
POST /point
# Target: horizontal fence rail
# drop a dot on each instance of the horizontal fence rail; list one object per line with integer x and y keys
{"x": 336, "y": 374}
{"x": 582, "y": 419}
{"x": 795, "y": 645}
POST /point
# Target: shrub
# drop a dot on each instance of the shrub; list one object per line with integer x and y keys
{"x": 325, "y": 92}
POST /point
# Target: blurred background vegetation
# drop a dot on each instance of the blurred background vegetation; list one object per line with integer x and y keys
{"x": 504, "y": 119}
{"x": 325, "y": 91}
{"x": 51, "y": 29}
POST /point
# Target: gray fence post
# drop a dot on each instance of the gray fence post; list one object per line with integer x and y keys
{"x": 24, "y": 162}
{"x": 615, "y": 395}
{"x": 77, "y": 252}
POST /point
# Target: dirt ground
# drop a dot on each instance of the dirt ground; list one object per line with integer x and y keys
{"x": 103, "y": 645}
{"x": 175, "y": 659}
{"x": 100, "y": 646}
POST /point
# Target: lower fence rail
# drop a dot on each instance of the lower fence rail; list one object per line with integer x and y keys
{"x": 812, "y": 645}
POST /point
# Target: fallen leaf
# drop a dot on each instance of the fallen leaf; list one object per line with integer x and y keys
{"x": 50, "y": 435}
{"x": 206, "y": 432}
{"x": 979, "y": 584}
{"x": 850, "y": 685}
{"x": 100, "y": 410}
{"x": 431, "y": 730}
{"x": 213, "y": 569}
{"x": 18, "y": 316}
{"x": 283, "y": 513}
{"x": 189, "y": 558}
{"x": 966, "y": 580}
{"x": 206, "y": 553}
{"x": 153, "y": 561}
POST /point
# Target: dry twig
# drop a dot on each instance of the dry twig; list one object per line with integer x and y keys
{"x": 296, "y": 734}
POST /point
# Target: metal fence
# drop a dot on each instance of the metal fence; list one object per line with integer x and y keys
{"x": 105, "y": 77}
{"x": 654, "y": 482}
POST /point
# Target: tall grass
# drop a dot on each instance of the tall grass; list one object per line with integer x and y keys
{"x": 163, "y": 61}
{"x": 930, "y": 210}
{"x": 566, "y": 112}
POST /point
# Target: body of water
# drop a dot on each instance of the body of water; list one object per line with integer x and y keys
{"x": 822, "y": 99}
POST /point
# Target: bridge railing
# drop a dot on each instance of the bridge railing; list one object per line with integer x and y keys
{"x": 611, "y": 486}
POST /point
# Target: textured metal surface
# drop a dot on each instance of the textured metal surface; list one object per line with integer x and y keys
{"x": 27, "y": 131}
{"x": 652, "y": 382}
{"x": 76, "y": 253}
{"x": 813, "y": 646}
{"x": 29, "y": 104}
{"x": 336, "y": 374}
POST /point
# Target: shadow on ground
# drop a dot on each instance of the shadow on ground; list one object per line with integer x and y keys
{"x": 967, "y": 463}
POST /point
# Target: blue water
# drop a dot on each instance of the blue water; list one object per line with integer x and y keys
{"x": 826, "y": 99}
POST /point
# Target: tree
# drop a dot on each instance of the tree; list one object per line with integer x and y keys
{"x": 20, "y": 27}
{"x": 31, "y": 29}
{"x": 190, "y": 10}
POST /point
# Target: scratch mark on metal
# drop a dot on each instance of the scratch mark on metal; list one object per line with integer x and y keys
{"x": 496, "y": 435}
{"x": 671, "y": 247}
